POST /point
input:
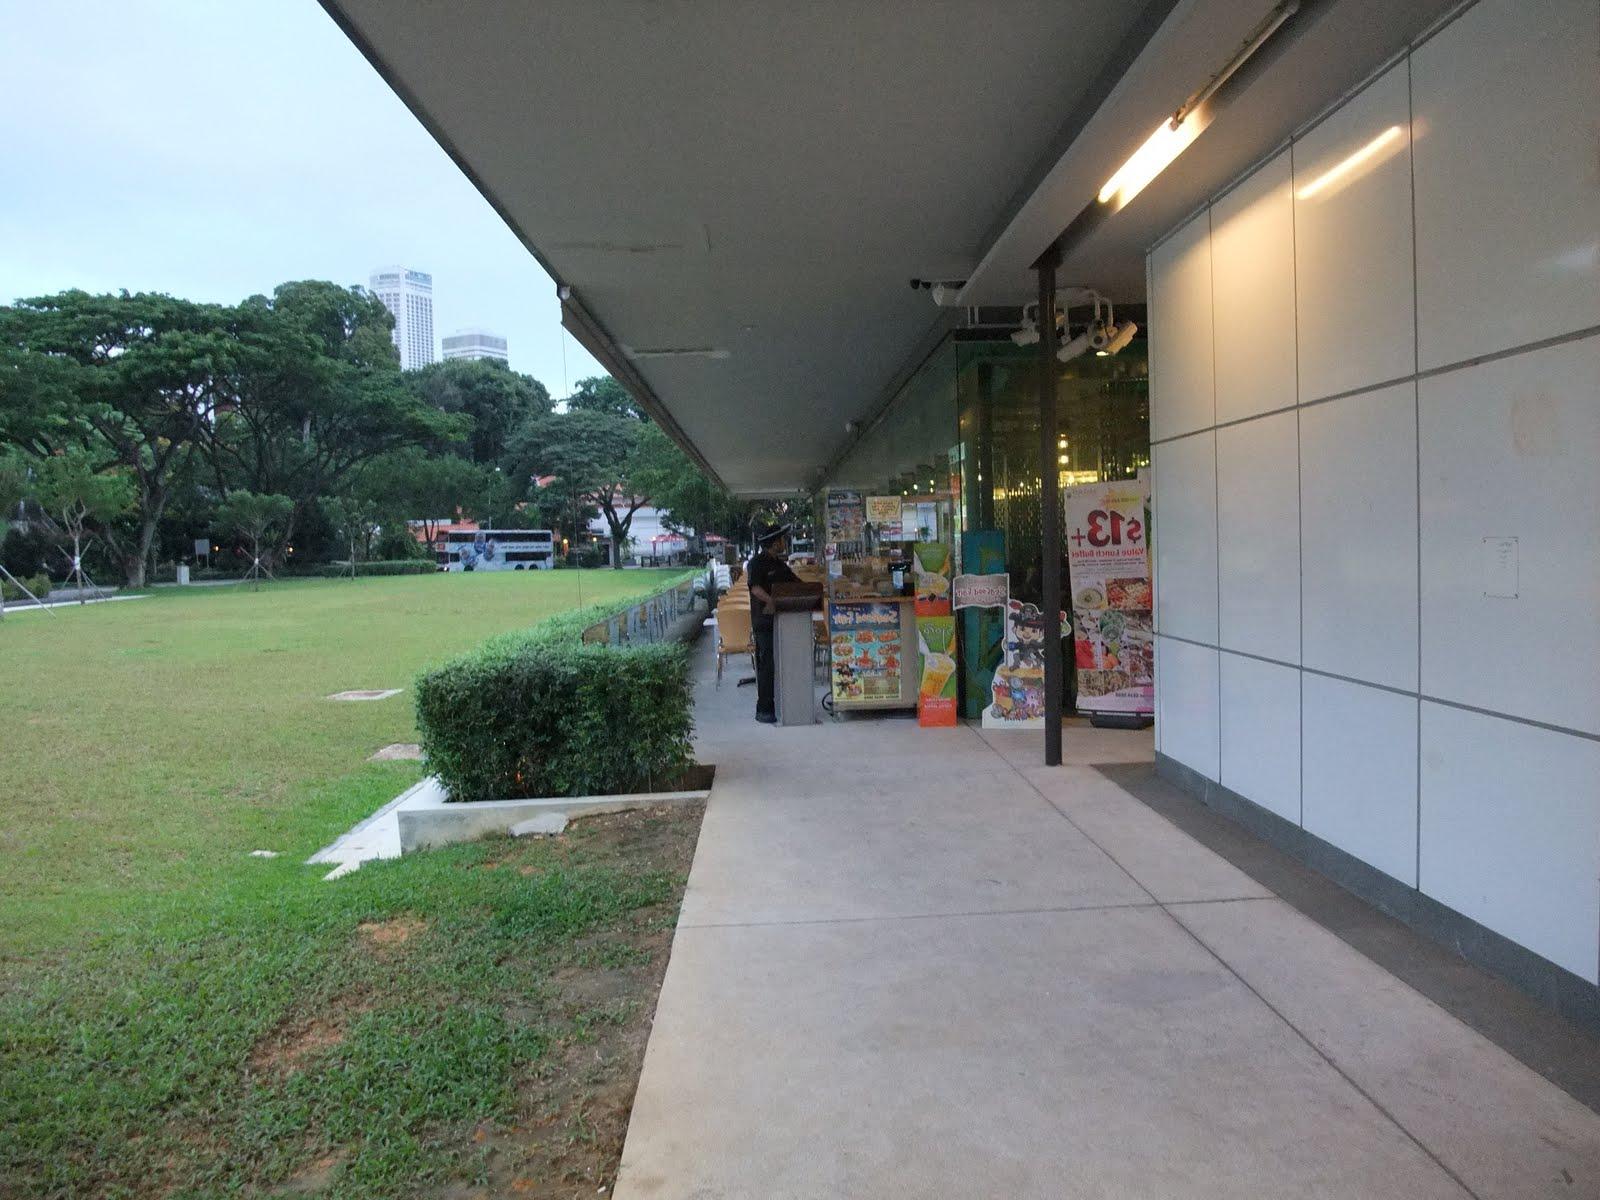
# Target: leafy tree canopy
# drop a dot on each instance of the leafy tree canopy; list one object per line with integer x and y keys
{"x": 497, "y": 399}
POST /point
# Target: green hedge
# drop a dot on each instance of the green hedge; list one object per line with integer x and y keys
{"x": 538, "y": 713}
{"x": 392, "y": 566}
{"x": 39, "y": 585}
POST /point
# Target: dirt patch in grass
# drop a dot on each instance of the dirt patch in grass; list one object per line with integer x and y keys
{"x": 297, "y": 1040}
{"x": 390, "y": 934}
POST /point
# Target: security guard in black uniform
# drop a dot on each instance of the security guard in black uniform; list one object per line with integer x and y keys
{"x": 766, "y": 567}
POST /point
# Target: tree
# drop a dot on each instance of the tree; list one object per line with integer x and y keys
{"x": 497, "y": 399}
{"x": 255, "y": 517}
{"x": 131, "y": 380}
{"x": 353, "y": 520}
{"x": 603, "y": 394}
{"x": 80, "y": 501}
{"x": 688, "y": 500}
{"x": 411, "y": 485}
{"x": 316, "y": 393}
{"x": 593, "y": 455}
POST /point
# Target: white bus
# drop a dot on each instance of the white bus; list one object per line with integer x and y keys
{"x": 496, "y": 550}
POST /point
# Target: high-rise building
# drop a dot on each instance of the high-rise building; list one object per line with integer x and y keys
{"x": 409, "y": 296}
{"x": 475, "y": 343}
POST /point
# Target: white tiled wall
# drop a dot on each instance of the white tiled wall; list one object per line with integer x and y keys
{"x": 1252, "y": 286}
{"x": 1361, "y": 772}
{"x": 1511, "y": 449}
{"x": 1258, "y": 531}
{"x": 1511, "y": 830}
{"x": 1186, "y": 705}
{"x": 1337, "y": 569}
{"x": 1261, "y": 736}
{"x": 1352, "y": 220}
{"x": 1358, "y": 488}
{"x": 1180, "y": 271}
{"x": 1186, "y": 537}
{"x": 1485, "y": 283}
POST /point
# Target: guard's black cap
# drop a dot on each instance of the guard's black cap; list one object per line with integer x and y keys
{"x": 770, "y": 533}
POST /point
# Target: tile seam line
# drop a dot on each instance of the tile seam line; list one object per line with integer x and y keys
{"x": 1061, "y": 910}
{"x": 1323, "y": 1055}
{"x": 1548, "y": 726}
{"x": 1549, "y": 343}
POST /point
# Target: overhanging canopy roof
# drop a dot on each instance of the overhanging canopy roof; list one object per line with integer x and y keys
{"x": 734, "y": 196}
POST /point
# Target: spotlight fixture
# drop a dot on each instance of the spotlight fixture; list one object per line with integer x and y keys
{"x": 1074, "y": 348}
{"x": 1120, "y": 337}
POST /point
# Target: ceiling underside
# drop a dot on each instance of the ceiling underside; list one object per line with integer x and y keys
{"x": 762, "y": 180}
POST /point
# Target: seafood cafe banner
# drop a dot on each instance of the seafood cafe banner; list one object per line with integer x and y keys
{"x": 1109, "y": 561}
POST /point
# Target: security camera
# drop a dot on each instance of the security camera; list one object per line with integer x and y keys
{"x": 1099, "y": 336}
{"x": 1028, "y": 335}
{"x": 917, "y": 285}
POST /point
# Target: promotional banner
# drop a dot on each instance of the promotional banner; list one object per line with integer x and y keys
{"x": 932, "y": 563}
{"x": 936, "y": 692}
{"x": 866, "y": 651}
{"x": 1016, "y": 693}
{"x": 983, "y": 630}
{"x": 1109, "y": 561}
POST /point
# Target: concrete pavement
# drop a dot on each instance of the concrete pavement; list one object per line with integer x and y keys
{"x": 916, "y": 963}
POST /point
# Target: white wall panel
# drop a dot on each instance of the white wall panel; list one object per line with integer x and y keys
{"x": 1185, "y": 511}
{"x": 1260, "y": 733}
{"x": 1508, "y": 211}
{"x": 1186, "y": 704}
{"x": 1181, "y": 374}
{"x": 1252, "y": 267}
{"x": 1511, "y": 831}
{"x": 1361, "y": 773}
{"x": 1511, "y": 449}
{"x": 1258, "y": 538}
{"x": 1358, "y": 522}
{"x": 1354, "y": 282}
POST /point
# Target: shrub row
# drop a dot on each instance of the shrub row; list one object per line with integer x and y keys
{"x": 392, "y": 566}
{"x": 39, "y": 585}
{"x": 539, "y": 713}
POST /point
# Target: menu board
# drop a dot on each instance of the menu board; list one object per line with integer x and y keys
{"x": 1109, "y": 559}
{"x": 846, "y": 525}
{"x": 866, "y": 651}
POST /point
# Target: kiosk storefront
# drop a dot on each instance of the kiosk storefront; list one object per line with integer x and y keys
{"x": 944, "y": 483}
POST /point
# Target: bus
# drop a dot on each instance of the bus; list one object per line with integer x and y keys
{"x": 496, "y": 550}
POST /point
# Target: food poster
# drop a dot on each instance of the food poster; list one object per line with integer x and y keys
{"x": 983, "y": 552}
{"x": 883, "y": 514}
{"x": 936, "y": 690}
{"x": 846, "y": 525}
{"x": 1109, "y": 559}
{"x": 1016, "y": 692}
{"x": 932, "y": 563}
{"x": 866, "y": 651}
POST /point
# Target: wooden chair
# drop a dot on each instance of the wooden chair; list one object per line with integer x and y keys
{"x": 733, "y": 633}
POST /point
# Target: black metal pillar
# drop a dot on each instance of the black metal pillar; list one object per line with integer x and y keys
{"x": 1050, "y": 507}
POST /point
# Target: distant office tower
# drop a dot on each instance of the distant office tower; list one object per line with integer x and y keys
{"x": 475, "y": 343}
{"x": 409, "y": 296}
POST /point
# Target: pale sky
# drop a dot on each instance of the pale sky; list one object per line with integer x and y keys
{"x": 215, "y": 148}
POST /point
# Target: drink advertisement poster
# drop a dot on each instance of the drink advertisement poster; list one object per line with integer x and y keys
{"x": 866, "y": 651}
{"x": 1109, "y": 560}
{"x": 936, "y": 691}
{"x": 932, "y": 563}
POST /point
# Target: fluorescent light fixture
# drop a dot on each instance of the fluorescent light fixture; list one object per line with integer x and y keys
{"x": 1150, "y": 159}
{"x": 1352, "y": 164}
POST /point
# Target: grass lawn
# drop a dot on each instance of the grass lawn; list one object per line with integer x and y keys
{"x": 180, "y": 1019}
